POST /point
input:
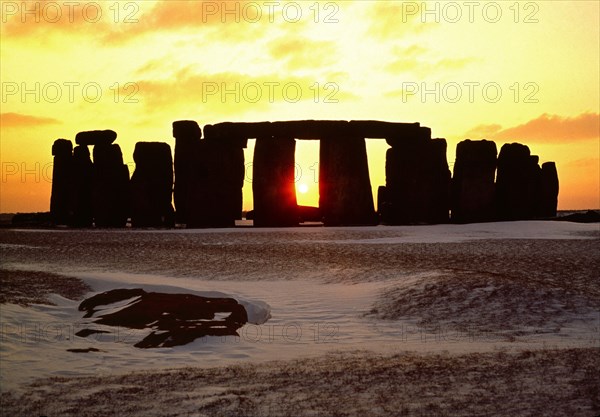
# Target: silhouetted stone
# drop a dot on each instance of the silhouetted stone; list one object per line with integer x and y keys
{"x": 187, "y": 129}
{"x": 417, "y": 182}
{"x": 96, "y": 137}
{"x": 175, "y": 319}
{"x": 110, "y": 193}
{"x": 549, "y": 190}
{"x": 410, "y": 132}
{"x": 216, "y": 185}
{"x": 152, "y": 186}
{"x": 309, "y": 214}
{"x": 589, "y": 216}
{"x": 187, "y": 136}
{"x": 383, "y": 205}
{"x": 273, "y": 182}
{"x": 43, "y": 219}
{"x": 311, "y": 129}
{"x": 61, "y": 200}
{"x": 473, "y": 186}
{"x": 345, "y": 196}
{"x": 83, "y": 171}
{"x": 516, "y": 182}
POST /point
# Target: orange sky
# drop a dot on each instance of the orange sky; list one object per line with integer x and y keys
{"x": 507, "y": 71}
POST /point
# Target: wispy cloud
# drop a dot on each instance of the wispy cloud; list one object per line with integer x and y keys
{"x": 545, "y": 129}
{"x": 422, "y": 62}
{"x": 24, "y": 120}
{"x": 303, "y": 53}
{"x": 113, "y": 23}
{"x": 394, "y": 19}
{"x": 231, "y": 92}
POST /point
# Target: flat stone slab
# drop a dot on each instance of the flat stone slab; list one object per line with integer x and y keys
{"x": 186, "y": 128}
{"x": 174, "y": 319}
{"x": 96, "y": 137}
{"x": 314, "y": 129}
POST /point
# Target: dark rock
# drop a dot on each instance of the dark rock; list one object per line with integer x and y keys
{"x": 549, "y": 190}
{"x": 89, "y": 332}
{"x": 186, "y": 129}
{"x": 237, "y": 130}
{"x": 110, "y": 191}
{"x": 383, "y": 205}
{"x": 86, "y": 350}
{"x": 473, "y": 188}
{"x": 42, "y": 219}
{"x": 83, "y": 171}
{"x": 417, "y": 182}
{"x": 345, "y": 195}
{"x": 309, "y": 214}
{"x": 62, "y": 148}
{"x": 175, "y": 319}
{"x": 517, "y": 182}
{"x": 187, "y": 136}
{"x": 313, "y": 129}
{"x": 61, "y": 200}
{"x": 217, "y": 178}
{"x": 96, "y": 137}
{"x": 589, "y": 216}
{"x": 376, "y": 129}
{"x": 273, "y": 182}
{"x": 410, "y": 132}
{"x": 152, "y": 186}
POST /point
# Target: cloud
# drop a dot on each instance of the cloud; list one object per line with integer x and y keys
{"x": 303, "y": 53}
{"x": 419, "y": 60}
{"x": 112, "y": 23}
{"x": 176, "y": 16}
{"x": 29, "y": 18}
{"x": 395, "y": 19}
{"x": 545, "y": 129}
{"x": 228, "y": 93}
{"x": 25, "y": 120}
{"x": 585, "y": 163}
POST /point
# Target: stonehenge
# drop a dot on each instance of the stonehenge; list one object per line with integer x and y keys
{"x": 417, "y": 186}
{"x": 152, "y": 186}
{"x": 61, "y": 207}
{"x": 205, "y": 177}
{"x": 345, "y": 196}
{"x": 110, "y": 187}
{"x": 273, "y": 182}
{"x": 473, "y": 182}
{"x": 187, "y": 136}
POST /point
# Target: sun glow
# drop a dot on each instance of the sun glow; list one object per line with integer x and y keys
{"x": 302, "y": 188}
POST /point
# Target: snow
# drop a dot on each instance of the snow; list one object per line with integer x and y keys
{"x": 308, "y": 308}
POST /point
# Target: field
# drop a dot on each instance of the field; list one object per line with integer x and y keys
{"x": 482, "y": 319}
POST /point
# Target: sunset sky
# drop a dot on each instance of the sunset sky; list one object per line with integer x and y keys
{"x": 508, "y": 71}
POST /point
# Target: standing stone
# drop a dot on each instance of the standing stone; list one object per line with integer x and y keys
{"x": 110, "y": 195}
{"x": 549, "y": 190}
{"x": 83, "y": 171}
{"x": 187, "y": 136}
{"x": 473, "y": 186}
{"x": 345, "y": 195}
{"x": 383, "y": 205}
{"x": 152, "y": 186}
{"x": 516, "y": 182}
{"x": 273, "y": 186}
{"x": 417, "y": 181}
{"x": 217, "y": 178}
{"x": 61, "y": 208}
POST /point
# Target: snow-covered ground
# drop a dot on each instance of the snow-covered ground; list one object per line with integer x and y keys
{"x": 453, "y": 290}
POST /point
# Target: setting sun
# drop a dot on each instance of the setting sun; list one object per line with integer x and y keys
{"x": 302, "y": 188}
